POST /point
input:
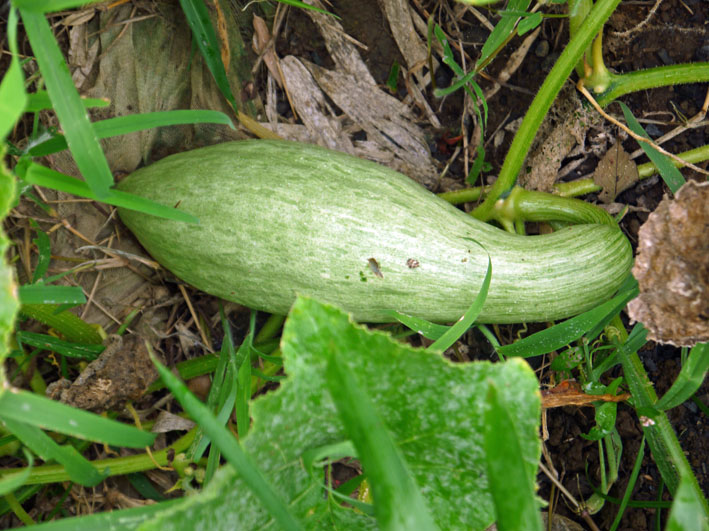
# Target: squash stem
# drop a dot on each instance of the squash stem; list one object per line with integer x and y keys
{"x": 542, "y": 102}
{"x": 526, "y": 205}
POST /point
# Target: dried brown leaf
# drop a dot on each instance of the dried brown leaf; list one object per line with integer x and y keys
{"x": 615, "y": 173}
{"x": 564, "y": 127}
{"x": 385, "y": 119}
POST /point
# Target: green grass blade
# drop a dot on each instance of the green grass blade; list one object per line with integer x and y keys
{"x": 13, "y": 97}
{"x": 669, "y": 173}
{"x": 113, "y": 466}
{"x": 145, "y": 488}
{"x": 43, "y": 176}
{"x": 42, "y": 412}
{"x": 81, "y": 137}
{"x": 13, "y": 483}
{"x": 543, "y": 100}
{"x": 686, "y": 512}
{"x": 303, "y": 5}
{"x": 215, "y": 400}
{"x": 41, "y": 294}
{"x": 631, "y": 484}
{"x": 79, "y": 469}
{"x": 427, "y": 329}
{"x": 69, "y": 325}
{"x": 53, "y": 344}
{"x": 44, "y": 252}
{"x": 398, "y": 500}
{"x": 528, "y": 23}
{"x": 570, "y": 330}
{"x": 689, "y": 380}
{"x": 231, "y": 449}
{"x": 466, "y": 321}
{"x": 666, "y": 450}
{"x": 123, "y": 125}
{"x": 636, "y": 339}
{"x": 502, "y": 29}
{"x": 243, "y": 386}
{"x": 49, "y": 6}
{"x": 39, "y": 101}
{"x": 511, "y": 485}
{"x": 203, "y": 32}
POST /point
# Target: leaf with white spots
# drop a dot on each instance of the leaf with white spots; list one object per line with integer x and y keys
{"x": 433, "y": 409}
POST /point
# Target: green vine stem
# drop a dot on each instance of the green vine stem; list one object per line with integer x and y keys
{"x": 666, "y": 450}
{"x": 578, "y": 11}
{"x": 652, "y": 78}
{"x": 526, "y": 205}
{"x": 114, "y": 466}
{"x": 579, "y": 186}
{"x": 542, "y": 102}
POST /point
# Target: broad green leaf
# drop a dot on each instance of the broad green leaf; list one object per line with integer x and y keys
{"x": 80, "y": 135}
{"x": 42, "y": 412}
{"x": 669, "y": 173}
{"x": 687, "y": 510}
{"x": 512, "y": 478}
{"x": 115, "y": 520}
{"x": 79, "y": 469}
{"x": 689, "y": 380}
{"x": 43, "y": 176}
{"x": 433, "y": 409}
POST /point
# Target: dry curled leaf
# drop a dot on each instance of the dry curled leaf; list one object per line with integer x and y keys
{"x": 672, "y": 269}
{"x": 569, "y": 393}
{"x": 615, "y": 173}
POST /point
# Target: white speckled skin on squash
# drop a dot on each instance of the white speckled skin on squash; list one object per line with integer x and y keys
{"x": 280, "y": 218}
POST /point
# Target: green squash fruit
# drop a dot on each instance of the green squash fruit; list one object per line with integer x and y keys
{"x": 278, "y": 219}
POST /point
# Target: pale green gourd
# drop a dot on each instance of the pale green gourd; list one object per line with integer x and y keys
{"x": 280, "y": 218}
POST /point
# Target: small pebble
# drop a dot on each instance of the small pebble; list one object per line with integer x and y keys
{"x": 549, "y": 61}
{"x": 702, "y": 54}
{"x": 542, "y": 49}
{"x": 665, "y": 57}
{"x": 653, "y": 130}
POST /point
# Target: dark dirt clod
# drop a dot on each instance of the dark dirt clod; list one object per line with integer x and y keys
{"x": 122, "y": 372}
{"x": 672, "y": 269}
